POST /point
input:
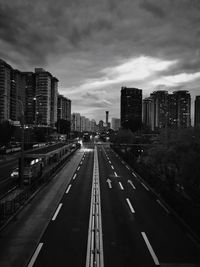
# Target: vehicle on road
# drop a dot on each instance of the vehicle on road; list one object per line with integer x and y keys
{"x": 15, "y": 173}
{"x": 32, "y": 169}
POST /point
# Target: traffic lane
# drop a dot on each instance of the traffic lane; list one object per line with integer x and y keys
{"x": 65, "y": 239}
{"x": 169, "y": 240}
{"x": 123, "y": 243}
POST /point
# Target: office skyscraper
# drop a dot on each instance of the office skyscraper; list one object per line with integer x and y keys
{"x": 131, "y": 108}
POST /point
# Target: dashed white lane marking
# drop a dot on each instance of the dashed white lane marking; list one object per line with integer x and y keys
{"x": 131, "y": 183}
{"x": 57, "y": 211}
{"x": 115, "y": 174}
{"x": 121, "y": 186}
{"x": 127, "y": 167}
{"x": 145, "y": 186}
{"x": 74, "y": 176}
{"x": 67, "y": 191}
{"x": 130, "y": 206}
{"x": 162, "y": 206}
{"x": 112, "y": 167}
{"x": 123, "y": 162}
{"x": 153, "y": 255}
{"x": 81, "y": 163}
{"x": 134, "y": 174}
{"x": 35, "y": 255}
{"x": 78, "y": 168}
{"x": 109, "y": 161}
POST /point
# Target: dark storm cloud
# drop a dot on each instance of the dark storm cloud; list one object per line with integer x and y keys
{"x": 156, "y": 10}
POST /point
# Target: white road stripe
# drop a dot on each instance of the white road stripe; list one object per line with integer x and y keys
{"x": 78, "y": 168}
{"x": 115, "y": 174}
{"x": 74, "y": 176}
{"x": 123, "y": 162}
{"x": 56, "y": 213}
{"x": 36, "y": 253}
{"x": 68, "y": 189}
{"x": 109, "y": 161}
{"x": 162, "y": 206}
{"x": 130, "y": 206}
{"x": 153, "y": 255}
{"x": 112, "y": 167}
{"x": 145, "y": 186}
{"x": 134, "y": 174}
{"x": 121, "y": 186}
{"x": 127, "y": 167}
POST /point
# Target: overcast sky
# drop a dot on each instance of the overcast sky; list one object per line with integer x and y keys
{"x": 96, "y": 46}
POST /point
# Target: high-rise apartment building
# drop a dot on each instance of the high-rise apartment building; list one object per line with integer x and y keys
{"x": 115, "y": 124}
{"x": 64, "y": 108}
{"x": 43, "y": 96}
{"x": 76, "y": 122}
{"x": 5, "y": 88}
{"x": 131, "y": 108}
{"x": 54, "y": 101}
{"x": 197, "y": 111}
{"x": 163, "y": 110}
{"x": 146, "y": 111}
{"x": 30, "y": 99}
{"x": 159, "y": 109}
{"x": 183, "y": 100}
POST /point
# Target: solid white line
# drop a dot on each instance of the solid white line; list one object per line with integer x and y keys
{"x": 115, "y": 174}
{"x": 36, "y": 253}
{"x": 121, "y": 186}
{"x": 130, "y": 206}
{"x": 112, "y": 167}
{"x": 56, "y": 213}
{"x": 162, "y": 206}
{"x": 74, "y": 176}
{"x": 153, "y": 255}
{"x": 145, "y": 186}
{"x": 68, "y": 189}
{"x": 78, "y": 168}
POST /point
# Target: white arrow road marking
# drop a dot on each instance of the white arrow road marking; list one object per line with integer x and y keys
{"x": 109, "y": 183}
{"x": 131, "y": 183}
{"x": 153, "y": 255}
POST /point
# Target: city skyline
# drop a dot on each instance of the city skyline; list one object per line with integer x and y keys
{"x": 144, "y": 44}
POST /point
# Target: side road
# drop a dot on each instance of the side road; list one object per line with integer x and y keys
{"x": 19, "y": 239}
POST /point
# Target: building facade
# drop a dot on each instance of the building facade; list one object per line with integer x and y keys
{"x": 5, "y": 88}
{"x": 131, "y": 108}
{"x": 115, "y": 124}
{"x": 197, "y": 111}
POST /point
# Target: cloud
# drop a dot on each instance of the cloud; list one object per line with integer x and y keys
{"x": 178, "y": 79}
{"x": 154, "y": 9}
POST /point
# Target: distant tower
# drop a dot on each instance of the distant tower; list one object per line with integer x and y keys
{"x": 107, "y": 114}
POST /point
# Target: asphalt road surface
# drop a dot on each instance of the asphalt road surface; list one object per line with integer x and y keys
{"x": 106, "y": 201}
